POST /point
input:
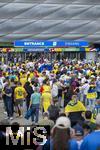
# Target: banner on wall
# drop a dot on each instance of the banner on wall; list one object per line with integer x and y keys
{"x": 18, "y": 49}
{"x": 33, "y": 49}
{"x": 7, "y": 50}
{"x": 90, "y": 49}
{"x": 68, "y": 49}
{"x": 55, "y": 49}
{"x": 73, "y": 49}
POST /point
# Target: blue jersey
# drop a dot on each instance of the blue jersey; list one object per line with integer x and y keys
{"x": 91, "y": 142}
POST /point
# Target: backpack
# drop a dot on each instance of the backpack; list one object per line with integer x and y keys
{"x": 53, "y": 112}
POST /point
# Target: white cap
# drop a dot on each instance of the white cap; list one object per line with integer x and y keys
{"x": 98, "y": 119}
{"x": 63, "y": 122}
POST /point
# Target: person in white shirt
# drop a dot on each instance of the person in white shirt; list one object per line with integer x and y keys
{"x": 47, "y": 72}
{"x": 85, "y": 89}
{"x": 54, "y": 90}
{"x": 41, "y": 79}
{"x": 1, "y": 82}
{"x": 83, "y": 80}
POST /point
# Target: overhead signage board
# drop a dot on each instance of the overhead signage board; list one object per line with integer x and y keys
{"x": 37, "y": 44}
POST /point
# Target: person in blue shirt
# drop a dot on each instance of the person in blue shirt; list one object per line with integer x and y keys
{"x": 35, "y": 104}
{"x": 8, "y": 100}
{"x": 92, "y": 141}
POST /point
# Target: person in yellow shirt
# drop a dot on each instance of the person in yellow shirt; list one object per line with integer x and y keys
{"x": 74, "y": 110}
{"x": 89, "y": 121}
{"x": 89, "y": 116}
{"x": 23, "y": 79}
{"x": 46, "y": 86}
{"x": 91, "y": 96}
{"x": 46, "y": 100}
{"x": 55, "y": 70}
{"x": 19, "y": 96}
{"x": 31, "y": 75}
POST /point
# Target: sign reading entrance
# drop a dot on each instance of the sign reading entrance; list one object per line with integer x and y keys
{"x": 37, "y": 44}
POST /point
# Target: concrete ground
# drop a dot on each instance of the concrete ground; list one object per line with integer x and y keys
{"x": 22, "y": 120}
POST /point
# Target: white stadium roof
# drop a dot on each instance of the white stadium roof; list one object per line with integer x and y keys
{"x": 50, "y": 20}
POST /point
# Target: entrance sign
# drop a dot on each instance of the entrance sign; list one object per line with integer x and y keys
{"x": 37, "y": 44}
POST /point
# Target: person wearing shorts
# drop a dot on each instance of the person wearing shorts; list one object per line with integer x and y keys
{"x": 19, "y": 96}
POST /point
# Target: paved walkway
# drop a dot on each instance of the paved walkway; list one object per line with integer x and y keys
{"x": 22, "y": 120}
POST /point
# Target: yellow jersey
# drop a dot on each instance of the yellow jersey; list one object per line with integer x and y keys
{"x": 46, "y": 88}
{"x": 46, "y": 97}
{"x": 23, "y": 81}
{"x": 31, "y": 75}
{"x": 19, "y": 93}
{"x": 92, "y": 95}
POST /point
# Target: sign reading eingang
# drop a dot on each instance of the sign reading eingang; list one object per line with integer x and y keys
{"x": 23, "y": 137}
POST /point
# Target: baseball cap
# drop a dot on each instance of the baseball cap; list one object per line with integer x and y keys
{"x": 78, "y": 130}
{"x": 63, "y": 122}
